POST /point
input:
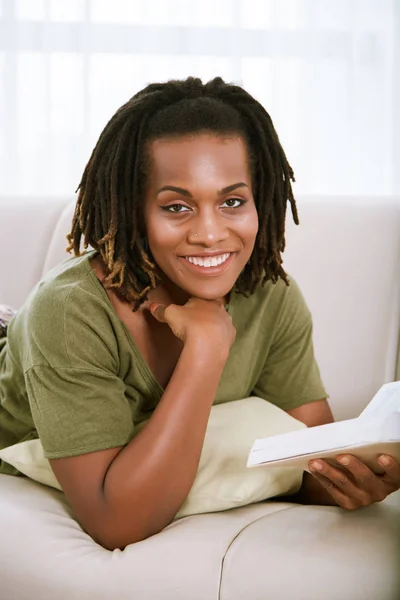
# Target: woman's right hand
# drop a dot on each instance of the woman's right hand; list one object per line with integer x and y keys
{"x": 198, "y": 319}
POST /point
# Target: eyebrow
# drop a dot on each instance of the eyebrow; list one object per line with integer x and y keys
{"x": 184, "y": 192}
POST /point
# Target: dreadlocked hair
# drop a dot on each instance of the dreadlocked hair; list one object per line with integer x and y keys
{"x": 109, "y": 209}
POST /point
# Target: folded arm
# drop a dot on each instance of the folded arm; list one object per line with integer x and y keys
{"x": 124, "y": 495}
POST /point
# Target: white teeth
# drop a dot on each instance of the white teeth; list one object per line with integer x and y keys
{"x": 213, "y": 261}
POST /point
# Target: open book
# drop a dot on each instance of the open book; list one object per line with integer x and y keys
{"x": 376, "y": 431}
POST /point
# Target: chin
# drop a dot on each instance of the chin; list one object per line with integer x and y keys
{"x": 204, "y": 291}
{"x": 213, "y": 288}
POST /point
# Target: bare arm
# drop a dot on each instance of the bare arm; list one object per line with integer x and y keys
{"x": 124, "y": 495}
{"x": 313, "y": 413}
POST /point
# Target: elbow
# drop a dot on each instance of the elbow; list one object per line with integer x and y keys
{"x": 116, "y": 540}
{"x": 116, "y": 525}
{"x": 111, "y": 544}
{"x": 117, "y": 537}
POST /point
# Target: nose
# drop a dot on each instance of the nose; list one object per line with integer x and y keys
{"x": 208, "y": 230}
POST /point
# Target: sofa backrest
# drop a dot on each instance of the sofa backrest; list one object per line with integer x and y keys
{"x": 345, "y": 257}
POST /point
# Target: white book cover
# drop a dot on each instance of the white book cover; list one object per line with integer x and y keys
{"x": 376, "y": 431}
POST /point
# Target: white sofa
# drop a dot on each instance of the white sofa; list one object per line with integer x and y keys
{"x": 346, "y": 258}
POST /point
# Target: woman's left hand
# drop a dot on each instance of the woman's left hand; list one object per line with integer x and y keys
{"x": 354, "y": 485}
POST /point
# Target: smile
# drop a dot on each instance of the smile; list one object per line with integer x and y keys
{"x": 210, "y": 266}
{"x": 213, "y": 261}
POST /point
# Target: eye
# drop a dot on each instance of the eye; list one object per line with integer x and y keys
{"x": 234, "y": 202}
{"x": 175, "y": 208}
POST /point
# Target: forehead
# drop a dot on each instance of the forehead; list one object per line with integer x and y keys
{"x": 200, "y": 157}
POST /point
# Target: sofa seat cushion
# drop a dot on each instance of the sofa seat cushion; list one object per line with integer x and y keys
{"x": 274, "y": 550}
{"x": 44, "y": 553}
{"x": 315, "y": 552}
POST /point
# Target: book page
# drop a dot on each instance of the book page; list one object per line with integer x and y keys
{"x": 386, "y": 401}
{"x": 367, "y": 453}
{"x": 315, "y": 439}
{"x": 330, "y": 439}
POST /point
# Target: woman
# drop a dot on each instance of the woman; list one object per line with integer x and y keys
{"x": 183, "y": 303}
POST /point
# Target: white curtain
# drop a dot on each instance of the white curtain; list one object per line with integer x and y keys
{"x": 327, "y": 71}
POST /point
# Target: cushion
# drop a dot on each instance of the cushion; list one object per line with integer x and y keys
{"x": 6, "y": 314}
{"x": 269, "y": 550}
{"x": 223, "y": 480}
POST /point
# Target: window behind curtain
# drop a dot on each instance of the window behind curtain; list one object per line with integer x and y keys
{"x": 326, "y": 71}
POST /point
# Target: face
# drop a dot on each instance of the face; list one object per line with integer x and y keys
{"x": 200, "y": 215}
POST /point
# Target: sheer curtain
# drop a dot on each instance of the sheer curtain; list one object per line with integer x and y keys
{"x": 327, "y": 71}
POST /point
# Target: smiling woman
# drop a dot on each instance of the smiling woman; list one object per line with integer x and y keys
{"x": 202, "y": 229}
{"x": 183, "y": 202}
{"x": 137, "y": 156}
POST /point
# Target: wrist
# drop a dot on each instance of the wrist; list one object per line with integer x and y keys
{"x": 206, "y": 350}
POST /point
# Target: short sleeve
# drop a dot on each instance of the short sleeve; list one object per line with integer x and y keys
{"x": 76, "y": 396}
{"x": 78, "y": 411}
{"x": 291, "y": 376}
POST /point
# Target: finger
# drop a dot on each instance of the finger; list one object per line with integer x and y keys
{"x": 341, "y": 481}
{"x": 339, "y": 497}
{"x": 207, "y": 300}
{"x": 158, "y": 311}
{"x": 362, "y": 475}
{"x": 392, "y": 470}
{"x": 219, "y": 301}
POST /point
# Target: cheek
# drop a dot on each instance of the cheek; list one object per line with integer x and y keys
{"x": 163, "y": 240}
{"x": 250, "y": 225}
{"x": 164, "y": 236}
{"x": 159, "y": 233}
{"x": 250, "y": 232}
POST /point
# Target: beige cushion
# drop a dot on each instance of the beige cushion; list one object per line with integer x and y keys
{"x": 223, "y": 481}
{"x": 274, "y": 550}
{"x": 317, "y": 553}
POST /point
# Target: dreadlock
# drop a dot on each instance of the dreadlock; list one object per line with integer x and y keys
{"x": 108, "y": 213}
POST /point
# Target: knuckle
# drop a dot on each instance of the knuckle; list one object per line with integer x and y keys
{"x": 328, "y": 484}
{"x": 368, "y": 478}
{"x": 342, "y": 482}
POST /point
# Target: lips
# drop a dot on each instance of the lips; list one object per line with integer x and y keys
{"x": 205, "y": 264}
{"x": 208, "y": 261}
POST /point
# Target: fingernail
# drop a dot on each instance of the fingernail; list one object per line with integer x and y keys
{"x": 344, "y": 460}
{"x": 384, "y": 460}
{"x": 317, "y": 465}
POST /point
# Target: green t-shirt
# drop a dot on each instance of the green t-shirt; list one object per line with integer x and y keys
{"x": 71, "y": 374}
